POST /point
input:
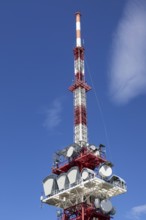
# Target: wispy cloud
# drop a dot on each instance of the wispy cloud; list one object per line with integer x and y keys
{"x": 128, "y": 55}
{"x": 137, "y": 212}
{"x": 53, "y": 114}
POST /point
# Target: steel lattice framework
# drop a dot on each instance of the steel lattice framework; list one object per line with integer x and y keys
{"x": 79, "y": 88}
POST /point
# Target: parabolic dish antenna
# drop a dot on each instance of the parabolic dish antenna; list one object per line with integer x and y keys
{"x": 70, "y": 151}
{"x": 106, "y": 205}
{"x": 105, "y": 171}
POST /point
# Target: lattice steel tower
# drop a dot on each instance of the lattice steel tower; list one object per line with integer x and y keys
{"x": 81, "y": 184}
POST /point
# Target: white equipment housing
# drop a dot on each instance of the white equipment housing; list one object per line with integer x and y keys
{"x": 62, "y": 181}
{"x": 74, "y": 175}
{"x": 97, "y": 203}
{"x": 50, "y": 185}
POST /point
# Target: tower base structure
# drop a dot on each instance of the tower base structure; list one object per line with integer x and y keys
{"x": 83, "y": 211}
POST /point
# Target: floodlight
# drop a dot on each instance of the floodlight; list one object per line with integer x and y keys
{"x": 87, "y": 173}
{"x": 74, "y": 175}
{"x": 50, "y": 185}
{"x": 62, "y": 181}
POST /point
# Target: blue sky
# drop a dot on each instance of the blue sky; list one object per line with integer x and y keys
{"x": 36, "y": 113}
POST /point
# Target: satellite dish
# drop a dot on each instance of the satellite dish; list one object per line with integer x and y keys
{"x": 105, "y": 171}
{"x": 106, "y": 205}
{"x": 87, "y": 173}
{"x": 70, "y": 151}
{"x": 97, "y": 203}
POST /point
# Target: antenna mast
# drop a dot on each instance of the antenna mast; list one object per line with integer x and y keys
{"x": 79, "y": 89}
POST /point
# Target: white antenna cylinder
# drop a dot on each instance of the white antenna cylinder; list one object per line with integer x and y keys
{"x": 78, "y": 29}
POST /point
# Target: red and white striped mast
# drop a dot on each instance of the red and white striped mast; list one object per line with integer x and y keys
{"x": 81, "y": 183}
{"x": 79, "y": 88}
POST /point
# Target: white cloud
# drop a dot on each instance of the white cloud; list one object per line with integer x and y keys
{"x": 53, "y": 115}
{"x": 128, "y": 55}
{"x": 136, "y": 212}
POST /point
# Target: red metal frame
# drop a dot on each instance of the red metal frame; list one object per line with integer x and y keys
{"x": 79, "y": 83}
{"x": 80, "y": 115}
{"x": 83, "y": 211}
{"x": 79, "y": 52}
{"x": 85, "y": 159}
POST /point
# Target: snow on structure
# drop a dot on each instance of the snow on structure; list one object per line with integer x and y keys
{"x": 81, "y": 184}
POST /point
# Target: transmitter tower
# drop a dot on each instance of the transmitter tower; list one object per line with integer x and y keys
{"x": 81, "y": 184}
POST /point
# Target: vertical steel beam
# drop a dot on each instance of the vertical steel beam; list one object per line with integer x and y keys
{"x": 83, "y": 212}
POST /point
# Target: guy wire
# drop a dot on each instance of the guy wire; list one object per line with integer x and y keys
{"x": 99, "y": 107}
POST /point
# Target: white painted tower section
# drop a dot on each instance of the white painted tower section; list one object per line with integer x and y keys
{"x": 80, "y": 130}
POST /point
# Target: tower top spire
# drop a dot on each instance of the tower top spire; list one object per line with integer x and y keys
{"x": 78, "y": 29}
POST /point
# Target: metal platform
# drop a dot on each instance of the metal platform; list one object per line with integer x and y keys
{"x": 86, "y": 159}
{"x": 81, "y": 192}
